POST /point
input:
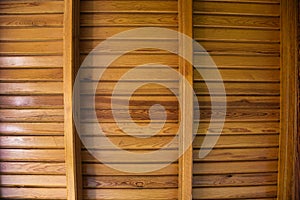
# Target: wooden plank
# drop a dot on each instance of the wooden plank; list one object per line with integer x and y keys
{"x": 32, "y": 168}
{"x": 31, "y": 142}
{"x": 235, "y": 180}
{"x": 185, "y": 162}
{"x": 252, "y": 154}
{"x": 236, "y": 35}
{"x": 241, "y": 128}
{"x": 31, "y": 74}
{"x": 251, "y": 1}
{"x": 40, "y": 155}
{"x": 228, "y": 21}
{"x": 241, "y": 101}
{"x": 126, "y": 7}
{"x": 31, "y": 88}
{"x": 235, "y": 167}
{"x": 132, "y": 60}
{"x": 30, "y": 61}
{"x": 240, "y": 61}
{"x": 235, "y": 192}
{"x": 31, "y": 115}
{"x": 113, "y": 129}
{"x": 133, "y": 194}
{"x": 31, "y": 101}
{"x": 71, "y": 65}
{"x": 50, "y": 20}
{"x": 131, "y": 143}
{"x": 239, "y": 47}
{"x": 31, "y": 34}
{"x": 236, "y": 8}
{"x": 237, "y": 88}
{"x": 33, "y": 181}
{"x": 122, "y": 19}
{"x": 242, "y": 75}
{"x": 31, "y": 193}
{"x": 245, "y": 141}
{"x": 289, "y": 102}
{"x": 104, "y": 170}
{"x": 31, "y": 7}
{"x": 126, "y": 182}
{"x": 31, "y": 48}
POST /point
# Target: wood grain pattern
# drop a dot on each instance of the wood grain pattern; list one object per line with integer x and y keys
{"x": 31, "y": 142}
{"x": 31, "y": 74}
{"x": 53, "y": 20}
{"x": 31, "y": 193}
{"x": 31, "y": 34}
{"x": 40, "y": 155}
{"x": 31, "y": 101}
{"x": 31, "y": 88}
{"x": 30, "y": 61}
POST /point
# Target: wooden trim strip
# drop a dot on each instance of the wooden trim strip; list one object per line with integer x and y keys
{"x": 186, "y": 98}
{"x": 289, "y": 80}
{"x": 72, "y": 146}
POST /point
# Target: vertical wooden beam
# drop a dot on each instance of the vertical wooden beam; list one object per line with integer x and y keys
{"x": 71, "y": 63}
{"x": 185, "y": 12}
{"x": 289, "y": 88}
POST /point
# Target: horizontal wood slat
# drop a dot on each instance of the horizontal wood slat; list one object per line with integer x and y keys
{"x": 31, "y": 74}
{"x": 31, "y": 101}
{"x": 31, "y": 34}
{"x": 31, "y": 88}
{"x": 30, "y": 61}
{"x": 46, "y": 20}
{"x": 31, "y": 48}
{"x": 49, "y": 155}
{"x": 31, "y": 193}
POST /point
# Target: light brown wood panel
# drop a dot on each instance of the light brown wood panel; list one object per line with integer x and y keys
{"x": 240, "y": 115}
{"x": 46, "y": 20}
{"x": 249, "y": 1}
{"x": 29, "y": 7}
{"x": 121, "y": 46}
{"x": 235, "y": 167}
{"x": 164, "y": 6}
{"x": 239, "y": 47}
{"x": 31, "y": 128}
{"x": 124, "y": 182}
{"x": 132, "y": 143}
{"x": 32, "y": 168}
{"x": 121, "y": 19}
{"x": 33, "y": 193}
{"x": 30, "y": 61}
{"x": 135, "y": 102}
{"x": 33, "y": 181}
{"x": 133, "y": 60}
{"x": 134, "y": 194}
{"x": 31, "y": 115}
{"x": 32, "y": 142}
{"x": 240, "y": 61}
{"x": 235, "y": 180}
{"x": 31, "y": 88}
{"x": 228, "y": 21}
{"x": 31, "y": 48}
{"x": 242, "y": 75}
{"x": 101, "y": 33}
{"x": 246, "y": 154}
{"x": 236, "y": 8}
{"x": 235, "y": 192}
{"x": 31, "y": 34}
{"x": 116, "y": 157}
{"x": 245, "y": 141}
{"x": 224, "y": 34}
{"x": 40, "y": 155}
{"x": 238, "y": 88}
{"x": 104, "y": 170}
{"x": 31, "y": 74}
{"x": 31, "y": 101}
{"x": 240, "y": 128}
{"x": 146, "y": 89}
{"x": 112, "y": 129}
{"x": 241, "y": 101}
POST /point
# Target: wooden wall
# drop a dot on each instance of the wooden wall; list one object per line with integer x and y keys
{"x": 243, "y": 39}
{"x": 32, "y": 138}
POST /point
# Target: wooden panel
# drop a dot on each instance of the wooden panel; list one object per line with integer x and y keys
{"x": 33, "y": 180}
{"x": 30, "y": 34}
{"x": 48, "y": 155}
{"x": 31, "y": 193}
{"x": 31, "y": 88}
{"x": 128, "y": 20}
{"x": 235, "y": 192}
{"x": 31, "y": 101}
{"x": 130, "y": 182}
{"x": 30, "y": 61}
{"x": 133, "y": 194}
{"x": 28, "y": 7}
{"x": 31, "y": 74}
{"x": 31, "y": 20}
{"x": 126, "y": 6}
{"x": 31, "y": 142}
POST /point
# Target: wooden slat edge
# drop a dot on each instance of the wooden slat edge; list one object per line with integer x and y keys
{"x": 289, "y": 79}
{"x": 185, "y": 23}
{"x": 72, "y": 148}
